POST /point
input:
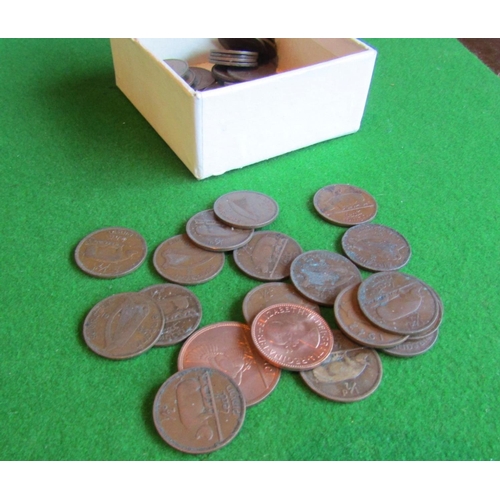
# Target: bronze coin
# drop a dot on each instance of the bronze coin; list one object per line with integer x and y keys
{"x": 246, "y": 209}
{"x": 228, "y": 347}
{"x": 350, "y": 373}
{"x": 398, "y": 303}
{"x": 181, "y": 310}
{"x": 345, "y": 205}
{"x": 179, "y": 260}
{"x": 320, "y": 275}
{"x": 357, "y": 327}
{"x": 199, "y": 410}
{"x": 123, "y": 326}
{"x": 267, "y": 256}
{"x": 292, "y": 337}
{"x": 376, "y": 247}
{"x": 414, "y": 347}
{"x": 269, "y": 294}
{"x": 111, "y": 252}
{"x": 435, "y": 324}
{"x": 208, "y": 232}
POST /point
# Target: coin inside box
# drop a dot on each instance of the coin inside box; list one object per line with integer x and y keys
{"x": 318, "y": 93}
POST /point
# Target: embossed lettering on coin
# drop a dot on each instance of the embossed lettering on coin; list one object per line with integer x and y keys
{"x": 414, "y": 347}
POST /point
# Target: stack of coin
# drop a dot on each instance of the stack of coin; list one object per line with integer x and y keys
{"x": 234, "y": 58}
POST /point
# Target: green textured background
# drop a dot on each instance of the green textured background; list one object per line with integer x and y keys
{"x": 75, "y": 156}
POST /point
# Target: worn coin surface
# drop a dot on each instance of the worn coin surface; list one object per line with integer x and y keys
{"x": 180, "y": 260}
{"x": 320, "y": 275}
{"x": 228, "y": 347}
{"x": 292, "y": 337}
{"x": 199, "y": 410}
{"x": 181, "y": 310}
{"x": 123, "y": 326}
{"x": 111, "y": 252}
{"x": 350, "y": 373}
{"x": 414, "y": 347}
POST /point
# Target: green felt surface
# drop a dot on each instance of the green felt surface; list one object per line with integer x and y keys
{"x": 77, "y": 156}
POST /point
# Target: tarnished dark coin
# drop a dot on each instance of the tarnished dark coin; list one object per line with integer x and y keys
{"x": 228, "y": 347}
{"x": 199, "y": 410}
{"x": 123, "y": 326}
{"x": 292, "y": 337}
{"x": 414, "y": 347}
{"x": 246, "y": 209}
{"x": 350, "y": 373}
{"x": 376, "y": 247}
{"x": 235, "y": 58}
{"x": 181, "y": 261}
{"x": 203, "y": 78}
{"x": 249, "y": 74}
{"x": 267, "y": 256}
{"x": 320, "y": 275}
{"x": 180, "y": 66}
{"x": 181, "y": 310}
{"x": 111, "y": 252}
{"x": 269, "y": 294}
{"x": 208, "y": 232}
{"x": 345, "y": 205}
{"x": 221, "y": 75}
{"x": 265, "y": 47}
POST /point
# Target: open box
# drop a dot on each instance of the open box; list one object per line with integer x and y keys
{"x": 318, "y": 93}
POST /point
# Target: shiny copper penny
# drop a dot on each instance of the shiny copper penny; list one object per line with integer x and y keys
{"x": 199, "y": 410}
{"x": 111, "y": 252}
{"x": 320, "y": 275}
{"x": 267, "y": 256}
{"x": 181, "y": 261}
{"x": 414, "y": 347}
{"x": 269, "y": 294}
{"x": 350, "y": 373}
{"x": 345, "y": 205}
{"x": 292, "y": 337}
{"x": 181, "y": 309}
{"x": 123, "y": 325}
{"x": 228, "y": 347}
{"x": 376, "y": 247}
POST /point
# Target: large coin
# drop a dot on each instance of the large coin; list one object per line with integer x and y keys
{"x": 111, "y": 252}
{"x": 413, "y": 347}
{"x": 228, "y": 347}
{"x": 198, "y": 410}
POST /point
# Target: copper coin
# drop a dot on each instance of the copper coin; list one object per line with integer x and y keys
{"x": 267, "y": 256}
{"x": 228, "y": 347}
{"x": 345, "y": 205}
{"x": 357, "y": 327}
{"x": 398, "y": 303}
{"x": 208, "y": 232}
{"x": 181, "y": 310}
{"x": 179, "y": 260}
{"x": 199, "y": 410}
{"x": 350, "y": 373}
{"x": 246, "y": 209}
{"x": 413, "y": 347}
{"x": 111, "y": 252}
{"x": 435, "y": 324}
{"x": 269, "y": 294}
{"x": 292, "y": 337}
{"x": 123, "y": 325}
{"x": 320, "y": 275}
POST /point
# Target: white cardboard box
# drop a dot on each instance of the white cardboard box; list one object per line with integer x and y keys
{"x": 319, "y": 93}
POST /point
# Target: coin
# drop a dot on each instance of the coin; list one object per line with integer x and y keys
{"x": 203, "y": 78}
{"x": 111, "y": 252}
{"x": 181, "y": 310}
{"x": 123, "y": 325}
{"x": 198, "y": 410}
{"x": 292, "y": 337}
{"x": 414, "y": 347}
{"x": 320, "y": 275}
{"x": 267, "y": 256}
{"x": 249, "y": 74}
{"x": 228, "y": 347}
{"x": 345, "y": 205}
{"x": 350, "y": 373}
{"x": 179, "y": 260}
{"x": 180, "y": 66}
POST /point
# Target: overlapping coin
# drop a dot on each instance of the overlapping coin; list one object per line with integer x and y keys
{"x": 413, "y": 347}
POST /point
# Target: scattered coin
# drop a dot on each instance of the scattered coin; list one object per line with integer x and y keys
{"x": 180, "y": 66}
{"x": 202, "y": 78}
{"x": 413, "y": 347}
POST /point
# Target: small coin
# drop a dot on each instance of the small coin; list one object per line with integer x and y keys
{"x": 181, "y": 310}
{"x": 345, "y": 205}
{"x": 179, "y": 260}
{"x": 228, "y": 347}
{"x": 350, "y": 373}
{"x": 199, "y": 410}
{"x": 180, "y": 66}
{"x": 203, "y": 78}
{"x": 320, "y": 275}
{"x": 292, "y": 337}
{"x": 123, "y": 326}
{"x": 413, "y": 347}
{"x": 111, "y": 252}
{"x": 267, "y": 256}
